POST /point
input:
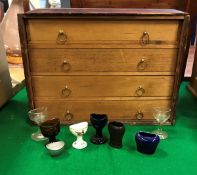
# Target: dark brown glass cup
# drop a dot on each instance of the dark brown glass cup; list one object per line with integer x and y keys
{"x": 50, "y": 129}
{"x": 116, "y": 131}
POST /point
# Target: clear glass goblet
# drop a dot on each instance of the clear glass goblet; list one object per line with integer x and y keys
{"x": 161, "y": 114}
{"x": 38, "y": 116}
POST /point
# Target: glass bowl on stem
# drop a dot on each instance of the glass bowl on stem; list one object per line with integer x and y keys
{"x": 98, "y": 121}
{"x": 38, "y": 116}
{"x": 161, "y": 114}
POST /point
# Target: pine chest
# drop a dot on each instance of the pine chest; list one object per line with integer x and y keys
{"x": 121, "y": 62}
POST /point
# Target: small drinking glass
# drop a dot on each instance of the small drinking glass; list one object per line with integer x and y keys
{"x": 161, "y": 114}
{"x": 38, "y": 116}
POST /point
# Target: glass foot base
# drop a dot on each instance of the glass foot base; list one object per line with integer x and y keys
{"x": 98, "y": 141}
{"x": 162, "y": 134}
{"x": 79, "y": 144}
{"x": 37, "y": 136}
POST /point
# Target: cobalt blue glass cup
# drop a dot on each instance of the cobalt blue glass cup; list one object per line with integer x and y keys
{"x": 146, "y": 142}
{"x": 98, "y": 121}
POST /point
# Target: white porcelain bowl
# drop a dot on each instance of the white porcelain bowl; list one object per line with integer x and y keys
{"x": 55, "y": 148}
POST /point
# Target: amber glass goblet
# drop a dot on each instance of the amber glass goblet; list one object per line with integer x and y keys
{"x": 51, "y": 129}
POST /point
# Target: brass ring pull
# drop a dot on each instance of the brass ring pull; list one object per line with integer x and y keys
{"x": 61, "y": 38}
{"x": 66, "y": 66}
{"x": 145, "y": 38}
{"x": 66, "y": 92}
{"x": 69, "y": 116}
{"x": 142, "y": 65}
{"x": 139, "y": 115}
{"x": 140, "y": 91}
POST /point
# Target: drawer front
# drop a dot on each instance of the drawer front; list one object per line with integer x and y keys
{"x": 70, "y": 31}
{"x": 72, "y": 111}
{"x": 102, "y": 60}
{"x": 102, "y": 86}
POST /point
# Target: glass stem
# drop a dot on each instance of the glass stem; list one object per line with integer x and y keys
{"x": 159, "y": 127}
{"x": 39, "y": 129}
{"x": 52, "y": 139}
{"x": 99, "y": 133}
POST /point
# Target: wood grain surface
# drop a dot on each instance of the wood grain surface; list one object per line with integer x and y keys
{"x": 67, "y": 61}
{"x": 124, "y": 111}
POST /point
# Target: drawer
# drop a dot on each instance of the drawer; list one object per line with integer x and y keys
{"x": 72, "y": 111}
{"x": 94, "y": 31}
{"x": 102, "y": 86}
{"x": 102, "y": 60}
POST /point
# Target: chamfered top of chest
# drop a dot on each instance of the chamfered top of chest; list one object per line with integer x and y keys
{"x": 105, "y": 12}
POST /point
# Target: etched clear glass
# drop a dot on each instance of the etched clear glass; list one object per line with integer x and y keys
{"x": 161, "y": 114}
{"x": 38, "y": 116}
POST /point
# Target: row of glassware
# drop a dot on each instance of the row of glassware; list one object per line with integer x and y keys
{"x": 146, "y": 142}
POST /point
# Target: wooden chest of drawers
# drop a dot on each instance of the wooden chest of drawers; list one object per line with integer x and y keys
{"x": 122, "y": 62}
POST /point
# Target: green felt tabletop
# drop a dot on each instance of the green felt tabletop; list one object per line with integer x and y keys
{"x": 19, "y": 155}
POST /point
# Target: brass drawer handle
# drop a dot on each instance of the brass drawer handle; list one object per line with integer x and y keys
{"x": 139, "y": 115}
{"x": 66, "y": 66}
{"x": 69, "y": 116}
{"x": 145, "y": 38}
{"x": 61, "y": 38}
{"x": 142, "y": 65}
{"x": 66, "y": 92}
{"x": 140, "y": 91}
